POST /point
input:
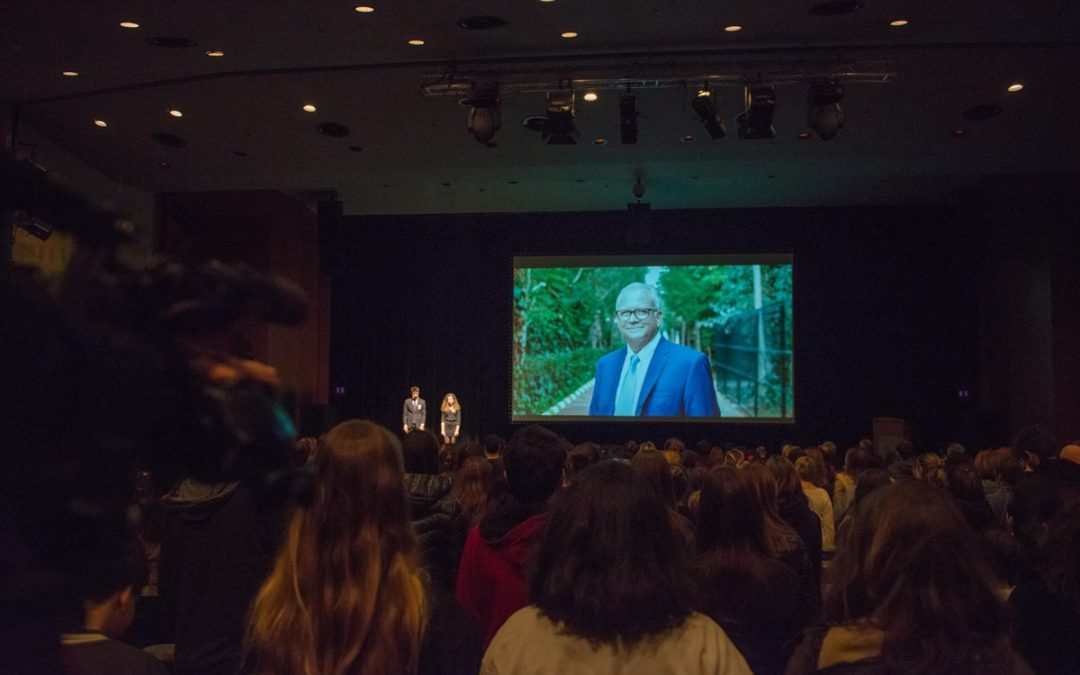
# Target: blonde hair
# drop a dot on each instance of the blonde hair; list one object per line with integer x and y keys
{"x": 346, "y": 594}
{"x": 446, "y": 407}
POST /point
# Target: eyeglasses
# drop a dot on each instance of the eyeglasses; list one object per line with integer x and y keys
{"x": 637, "y": 314}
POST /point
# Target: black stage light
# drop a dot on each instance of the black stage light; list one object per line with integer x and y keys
{"x": 485, "y": 117}
{"x": 825, "y": 114}
{"x": 756, "y": 120}
{"x": 710, "y": 117}
{"x": 560, "y": 128}
{"x": 628, "y": 115}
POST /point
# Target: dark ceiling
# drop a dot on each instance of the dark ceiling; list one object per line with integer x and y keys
{"x": 243, "y": 126}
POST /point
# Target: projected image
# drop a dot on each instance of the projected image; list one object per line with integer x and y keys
{"x": 683, "y": 337}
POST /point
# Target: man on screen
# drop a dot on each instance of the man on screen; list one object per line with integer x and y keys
{"x": 651, "y": 377}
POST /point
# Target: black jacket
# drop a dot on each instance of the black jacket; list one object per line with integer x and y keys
{"x": 439, "y": 523}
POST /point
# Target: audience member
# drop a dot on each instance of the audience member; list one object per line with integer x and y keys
{"x": 999, "y": 470}
{"x": 1038, "y": 495}
{"x": 929, "y": 468}
{"x": 910, "y": 595}
{"x": 347, "y": 593}
{"x": 793, "y": 506}
{"x": 610, "y": 593}
{"x": 491, "y": 578}
{"x": 580, "y": 457}
{"x": 654, "y": 468}
{"x": 966, "y": 488}
{"x": 819, "y": 502}
{"x": 673, "y": 450}
{"x": 472, "y": 489}
{"x": 435, "y": 514}
{"x": 108, "y": 590}
{"x": 869, "y": 480}
{"x": 751, "y": 595}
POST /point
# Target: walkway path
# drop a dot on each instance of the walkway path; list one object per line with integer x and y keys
{"x": 578, "y": 403}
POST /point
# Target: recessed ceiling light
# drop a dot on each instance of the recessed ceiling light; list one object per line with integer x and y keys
{"x": 687, "y": 138}
{"x": 569, "y": 34}
{"x": 732, "y": 29}
{"x": 309, "y": 107}
{"x": 101, "y": 123}
{"x": 590, "y": 96}
{"x": 803, "y": 135}
{"x": 364, "y": 9}
{"x": 69, "y": 73}
{"x": 215, "y": 52}
{"x": 1015, "y": 87}
{"x": 599, "y": 140}
{"x": 416, "y": 42}
{"x": 958, "y": 132}
{"x": 547, "y": 0}
{"x": 128, "y": 24}
{"x": 176, "y": 113}
{"x": 898, "y": 23}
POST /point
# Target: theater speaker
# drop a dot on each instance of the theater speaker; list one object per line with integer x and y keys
{"x": 889, "y": 432}
{"x": 331, "y": 213}
{"x": 638, "y": 223}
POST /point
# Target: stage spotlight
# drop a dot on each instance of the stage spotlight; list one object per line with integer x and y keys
{"x": 756, "y": 120}
{"x": 706, "y": 110}
{"x": 560, "y": 129}
{"x": 628, "y": 118}
{"x": 485, "y": 117}
{"x": 825, "y": 115}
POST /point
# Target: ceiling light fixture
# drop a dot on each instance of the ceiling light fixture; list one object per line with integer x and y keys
{"x": 309, "y": 107}
{"x": 128, "y": 24}
{"x": 599, "y": 140}
{"x": 101, "y": 123}
{"x": 707, "y": 112}
{"x": 590, "y": 96}
{"x": 757, "y": 120}
{"x": 417, "y": 42}
{"x": 560, "y": 129}
{"x": 569, "y": 34}
{"x": 176, "y": 113}
{"x": 732, "y": 29}
{"x": 1013, "y": 88}
{"x": 687, "y": 138}
{"x": 898, "y": 23}
{"x": 803, "y": 135}
{"x": 825, "y": 114}
{"x": 628, "y": 114}
{"x": 364, "y": 9}
{"x": 959, "y": 132}
{"x": 69, "y": 73}
{"x": 485, "y": 116}
{"x": 215, "y": 53}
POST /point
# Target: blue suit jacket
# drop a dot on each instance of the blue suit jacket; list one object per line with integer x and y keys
{"x": 678, "y": 384}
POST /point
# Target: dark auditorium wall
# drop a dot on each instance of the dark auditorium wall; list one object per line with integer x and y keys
{"x": 885, "y": 313}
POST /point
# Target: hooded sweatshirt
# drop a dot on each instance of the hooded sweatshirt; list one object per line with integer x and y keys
{"x": 491, "y": 583}
{"x": 218, "y": 546}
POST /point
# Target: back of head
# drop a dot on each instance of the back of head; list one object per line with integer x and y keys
{"x": 1036, "y": 439}
{"x": 859, "y": 458}
{"x": 807, "y": 470}
{"x": 870, "y": 480}
{"x": 582, "y": 456}
{"x": 963, "y": 482}
{"x": 911, "y": 566}
{"x": 610, "y": 564}
{"x": 729, "y": 518}
{"x": 494, "y": 445}
{"x": 345, "y": 593}
{"x": 534, "y": 460}
{"x": 472, "y": 487}
{"x": 421, "y": 452}
{"x": 1003, "y": 465}
{"x": 654, "y": 468}
{"x": 113, "y": 568}
{"x": 786, "y": 477}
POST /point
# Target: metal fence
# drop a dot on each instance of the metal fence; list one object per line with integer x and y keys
{"x": 752, "y": 360}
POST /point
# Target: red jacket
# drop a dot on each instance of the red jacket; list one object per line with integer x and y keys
{"x": 491, "y": 581}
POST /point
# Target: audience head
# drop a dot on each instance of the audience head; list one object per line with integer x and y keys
{"x": 108, "y": 587}
{"x": 346, "y": 593}
{"x": 728, "y": 514}
{"x": 1037, "y": 440}
{"x": 581, "y": 456}
{"x": 534, "y": 461}
{"x": 963, "y": 482}
{"x": 690, "y": 460}
{"x": 808, "y": 470}
{"x": 734, "y": 458}
{"x": 472, "y": 487}
{"x": 421, "y": 452}
{"x": 493, "y": 446}
{"x": 930, "y": 468}
{"x": 911, "y": 567}
{"x": 610, "y": 566}
{"x": 1001, "y": 464}
{"x": 870, "y": 480}
{"x": 859, "y": 458}
{"x": 787, "y": 480}
{"x": 655, "y": 469}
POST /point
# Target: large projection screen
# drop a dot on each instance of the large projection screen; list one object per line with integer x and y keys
{"x": 697, "y": 338}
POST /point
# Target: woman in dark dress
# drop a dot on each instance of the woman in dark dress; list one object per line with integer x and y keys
{"x": 450, "y": 423}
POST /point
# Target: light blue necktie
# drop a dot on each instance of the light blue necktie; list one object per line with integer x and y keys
{"x": 624, "y": 405}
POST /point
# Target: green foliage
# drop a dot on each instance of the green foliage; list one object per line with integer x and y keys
{"x": 543, "y": 380}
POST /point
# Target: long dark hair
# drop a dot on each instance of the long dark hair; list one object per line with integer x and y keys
{"x": 472, "y": 487}
{"x": 911, "y": 567}
{"x": 730, "y": 532}
{"x": 778, "y": 534}
{"x": 610, "y": 566}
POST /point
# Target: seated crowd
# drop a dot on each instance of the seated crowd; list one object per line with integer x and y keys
{"x": 535, "y": 556}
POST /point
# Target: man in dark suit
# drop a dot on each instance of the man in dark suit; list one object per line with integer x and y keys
{"x": 651, "y": 376}
{"x": 415, "y": 413}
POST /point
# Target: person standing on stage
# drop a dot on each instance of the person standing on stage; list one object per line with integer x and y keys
{"x": 450, "y": 423}
{"x": 414, "y": 415}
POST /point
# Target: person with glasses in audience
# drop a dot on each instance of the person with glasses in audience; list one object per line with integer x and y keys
{"x": 651, "y": 376}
